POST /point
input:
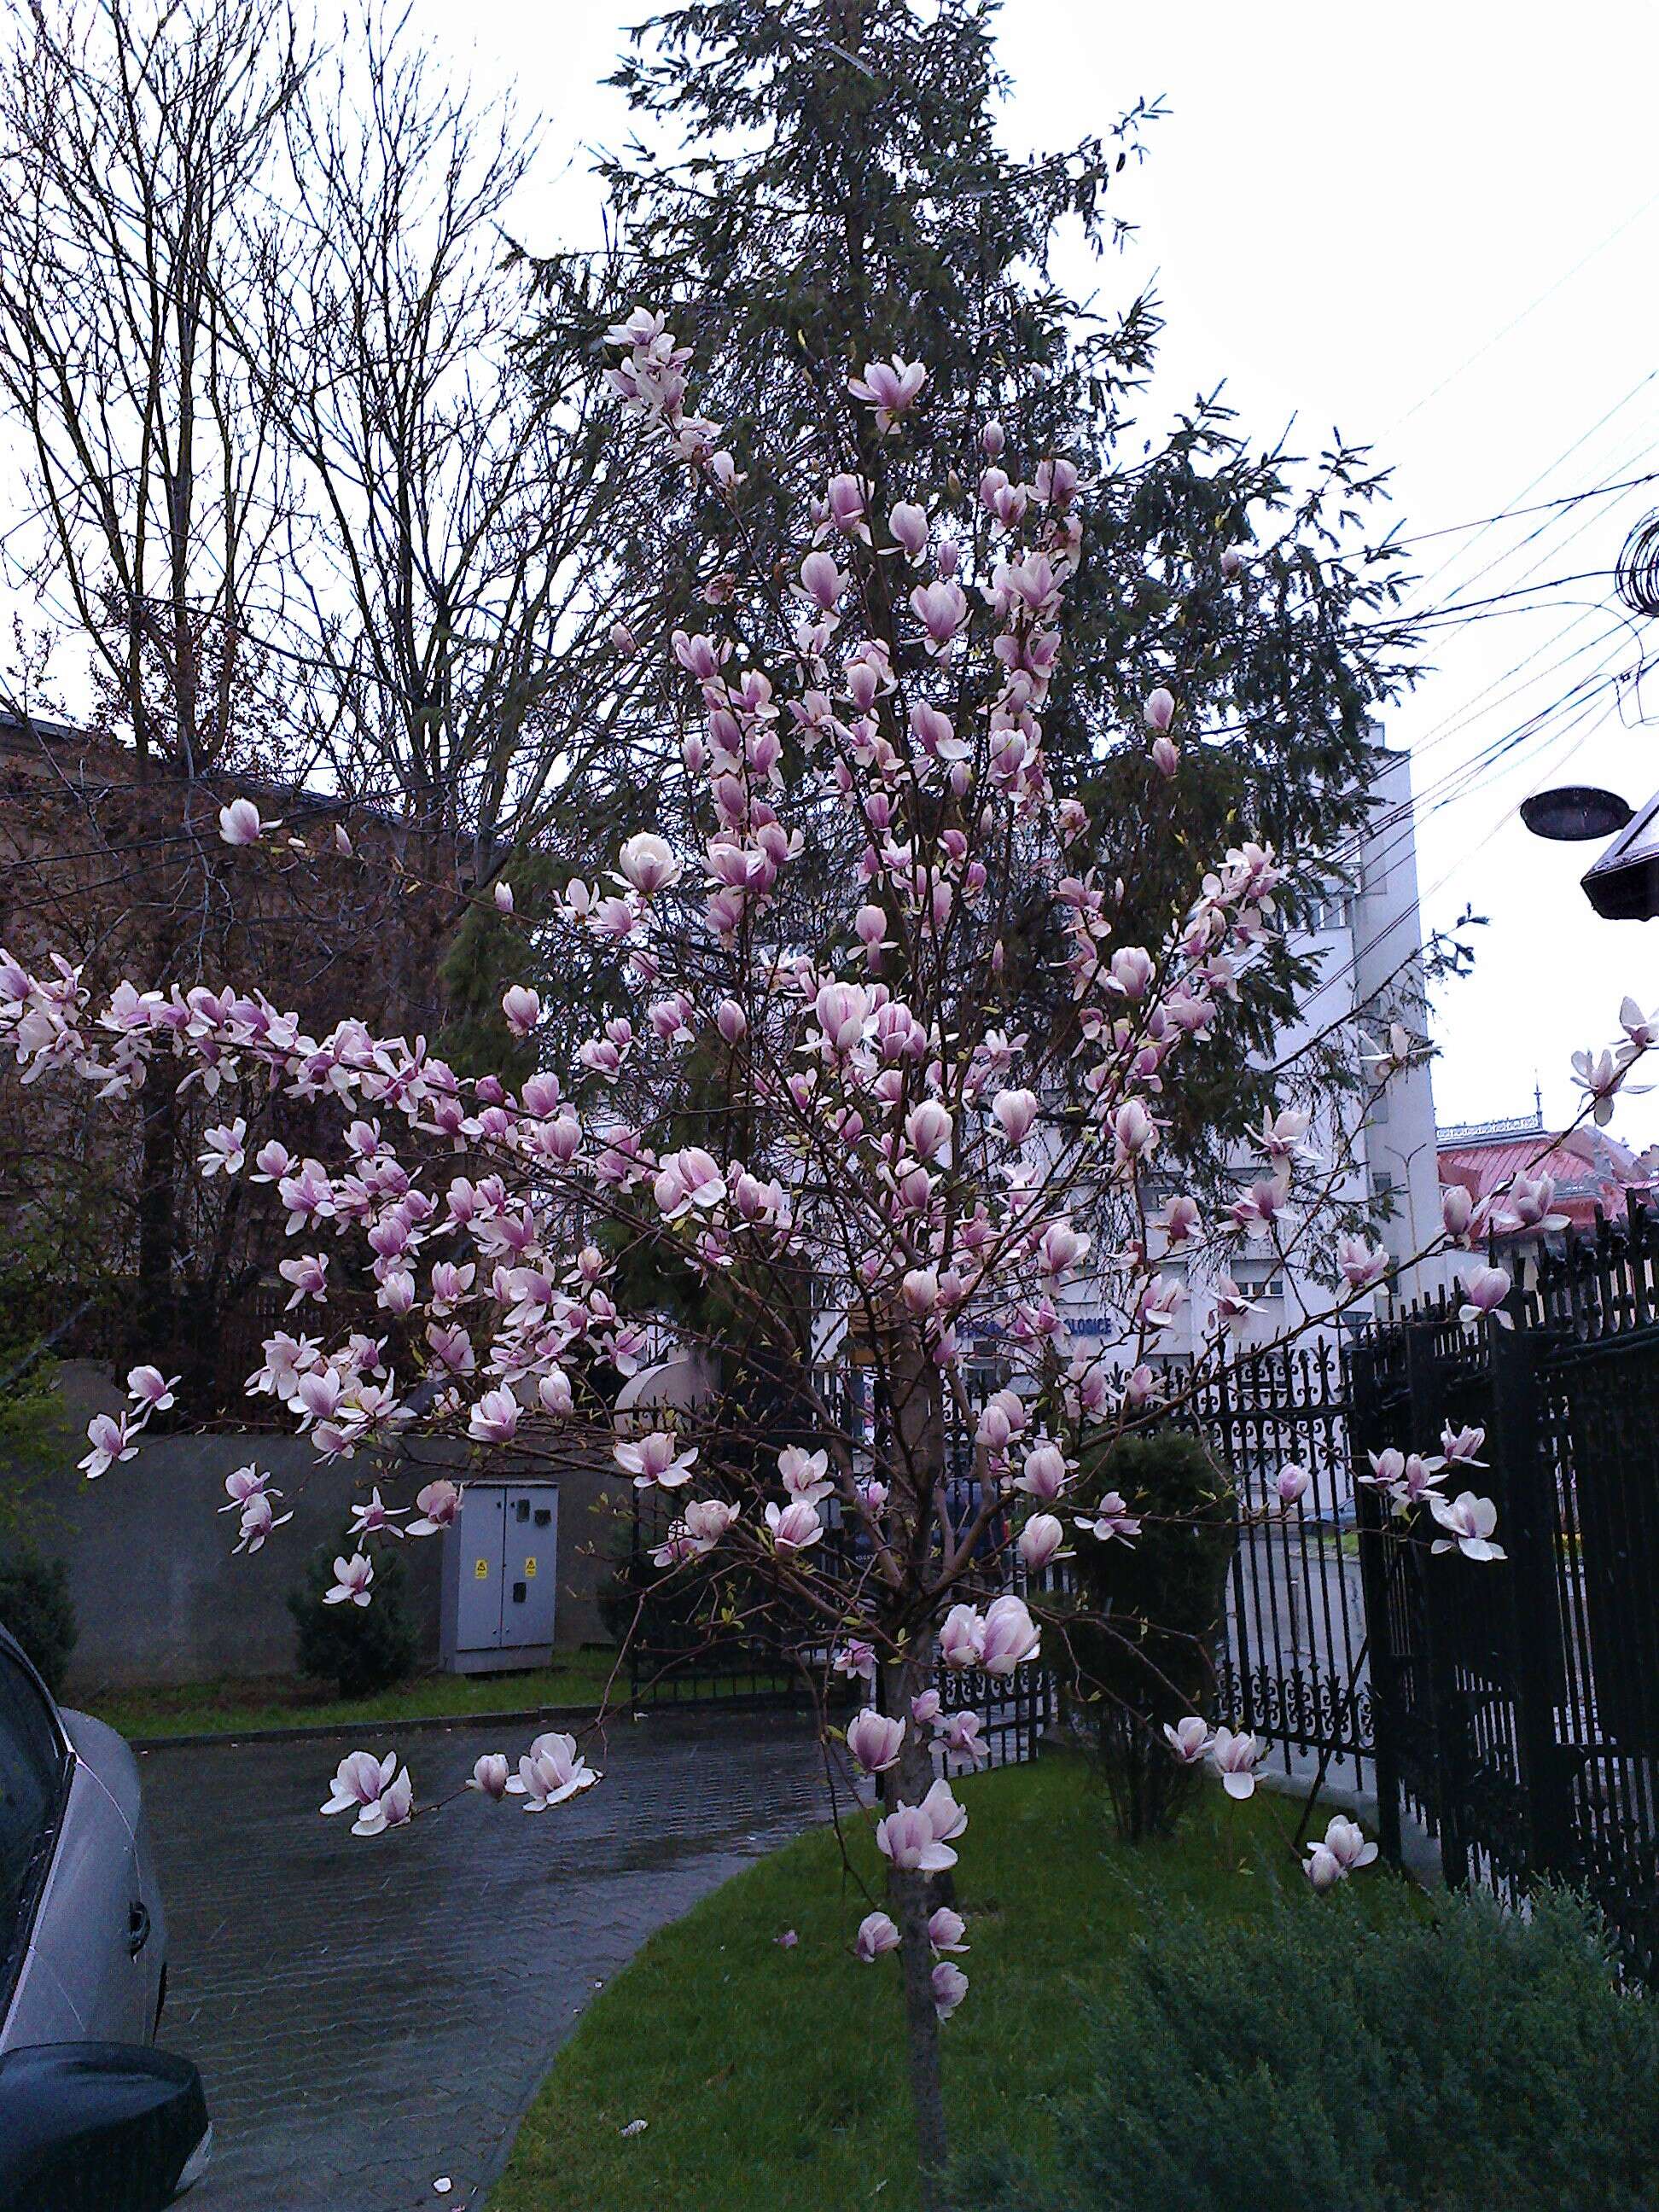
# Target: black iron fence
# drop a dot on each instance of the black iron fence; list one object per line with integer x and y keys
{"x": 1517, "y": 1705}
{"x": 1292, "y": 1668}
{"x": 1512, "y": 1706}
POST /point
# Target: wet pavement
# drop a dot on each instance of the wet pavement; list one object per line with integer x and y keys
{"x": 373, "y": 2014}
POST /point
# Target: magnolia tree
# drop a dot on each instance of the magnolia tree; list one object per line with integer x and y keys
{"x": 806, "y": 1123}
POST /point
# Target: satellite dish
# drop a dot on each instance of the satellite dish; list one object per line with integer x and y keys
{"x": 1574, "y": 812}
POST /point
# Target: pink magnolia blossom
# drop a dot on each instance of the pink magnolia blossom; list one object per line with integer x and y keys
{"x": 1190, "y": 1739}
{"x": 239, "y": 822}
{"x": 1456, "y": 1210}
{"x": 1484, "y": 1294}
{"x": 1462, "y": 1446}
{"x": 854, "y": 1660}
{"x": 439, "y": 1505}
{"x": 1345, "y": 1848}
{"x": 1110, "y": 1518}
{"x": 1046, "y": 1474}
{"x": 490, "y": 1775}
{"x": 945, "y": 1929}
{"x": 378, "y": 1788}
{"x": 1040, "y": 1540}
{"x": 964, "y": 1732}
{"x": 909, "y": 524}
{"x": 224, "y": 1149}
{"x": 906, "y": 1837}
{"x": 960, "y": 1639}
{"x": 1158, "y": 712}
{"x": 652, "y": 1459}
{"x": 494, "y": 1418}
{"x": 150, "y": 1389}
{"x": 1362, "y": 1265}
{"x": 804, "y": 1474}
{"x": 877, "y": 1934}
{"x": 1235, "y": 1758}
{"x": 1468, "y": 1522}
{"x": 1600, "y": 1077}
{"x": 1015, "y": 1113}
{"x": 551, "y": 1772}
{"x": 927, "y": 1129}
{"x": 794, "y": 1527}
{"x": 111, "y": 1440}
{"x": 1011, "y": 1636}
{"x": 259, "y": 1517}
{"x": 648, "y": 863}
{"x": 373, "y": 1516}
{"x": 822, "y": 582}
{"x": 243, "y": 1483}
{"x": 352, "y": 1580}
{"x": 874, "y": 1740}
{"x": 950, "y": 1987}
{"x": 1290, "y": 1486}
{"x": 889, "y": 386}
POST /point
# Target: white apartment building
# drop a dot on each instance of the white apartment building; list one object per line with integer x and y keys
{"x": 1367, "y": 945}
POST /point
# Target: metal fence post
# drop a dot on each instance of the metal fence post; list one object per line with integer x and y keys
{"x": 1447, "y": 1722}
{"x": 1528, "y": 1531}
{"x": 1363, "y": 1392}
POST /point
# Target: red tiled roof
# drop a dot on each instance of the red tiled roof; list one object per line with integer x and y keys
{"x": 1590, "y": 1168}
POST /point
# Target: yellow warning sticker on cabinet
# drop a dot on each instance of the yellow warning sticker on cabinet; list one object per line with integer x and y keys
{"x": 481, "y": 1570}
{"x": 529, "y": 1570}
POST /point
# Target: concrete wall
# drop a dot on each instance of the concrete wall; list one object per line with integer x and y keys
{"x": 161, "y": 1599}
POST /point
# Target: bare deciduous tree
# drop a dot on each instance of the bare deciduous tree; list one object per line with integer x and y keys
{"x": 465, "y": 600}
{"x": 131, "y": 143}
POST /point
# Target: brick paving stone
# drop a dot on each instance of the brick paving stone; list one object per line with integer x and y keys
{"x": 369, "y": 2014}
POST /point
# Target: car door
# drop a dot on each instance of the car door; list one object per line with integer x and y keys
{"x": 36, "y": 1768}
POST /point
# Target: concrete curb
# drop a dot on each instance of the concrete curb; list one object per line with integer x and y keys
{"x": 317, "y": 1730}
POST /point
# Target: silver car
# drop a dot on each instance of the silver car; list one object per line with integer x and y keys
{"x": 83, "y": 1963}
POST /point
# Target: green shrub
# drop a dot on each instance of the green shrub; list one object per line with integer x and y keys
{"x": 1157, "y": 1606}
{"x": 1370, "y": 2055}
{"x": 36, "y": 1606}
{"x": 360, "y": 1650}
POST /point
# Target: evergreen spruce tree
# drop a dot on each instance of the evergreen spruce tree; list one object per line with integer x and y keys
{"x": 817, "y": 184}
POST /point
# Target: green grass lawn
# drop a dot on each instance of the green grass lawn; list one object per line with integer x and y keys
{"x": 771, "y": 2080}
{"x": 575, "y": 1679}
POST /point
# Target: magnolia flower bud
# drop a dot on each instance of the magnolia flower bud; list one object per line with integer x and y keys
{"x": 1039, "y": 1540}
{"x": 1158, "y": 712}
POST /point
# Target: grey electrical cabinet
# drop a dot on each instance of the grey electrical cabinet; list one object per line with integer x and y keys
{"x": 499, "y": 1579}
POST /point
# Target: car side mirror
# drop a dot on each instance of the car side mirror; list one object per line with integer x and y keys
{"x": 98, "y": 2127}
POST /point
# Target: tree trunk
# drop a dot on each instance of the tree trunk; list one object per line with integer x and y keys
{"x": 153, "y": 1318}
{"x": 910, "y": 1903}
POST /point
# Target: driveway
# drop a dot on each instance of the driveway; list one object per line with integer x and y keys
{"x": 372, "y": 2016}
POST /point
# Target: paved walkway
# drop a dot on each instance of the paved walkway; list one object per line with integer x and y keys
{"x": 371, "y": 2014}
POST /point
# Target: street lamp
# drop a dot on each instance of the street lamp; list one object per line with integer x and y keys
{"x": 1622, "y": 885}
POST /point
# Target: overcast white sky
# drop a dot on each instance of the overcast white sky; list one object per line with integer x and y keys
{"x": 1437, "y": 228}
